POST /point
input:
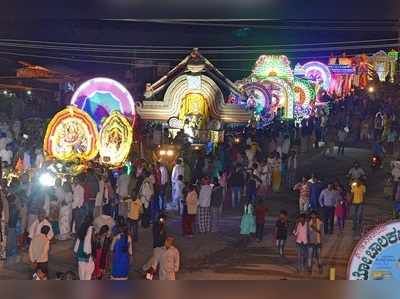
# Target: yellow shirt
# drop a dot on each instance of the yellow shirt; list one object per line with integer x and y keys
{"x": 358, "y": 194}
{"x": 135, "y": 208}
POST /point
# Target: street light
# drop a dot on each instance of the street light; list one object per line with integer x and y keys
{"x": 29, "y": 92}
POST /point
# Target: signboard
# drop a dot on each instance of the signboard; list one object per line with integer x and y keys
{"x": 377, "y": 255}
{"x": 341, "y": 69}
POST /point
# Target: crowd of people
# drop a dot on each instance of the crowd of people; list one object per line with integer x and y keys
{"x": 103, "y": 212}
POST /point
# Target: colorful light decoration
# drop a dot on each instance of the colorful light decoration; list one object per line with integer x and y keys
{"x": 319, "y": 73}
{"x": 116, "y": 138}
{"x": 273, "y": 66}
{"x": 71, "y": 135}
{"x": 282, "y": 95}
{"x": 304, "y": 91}
{"x": 101, "y": 96}
{"x": 259, "y": 101}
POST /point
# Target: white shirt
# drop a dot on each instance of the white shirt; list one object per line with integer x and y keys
{"x": 39, "y": 160}
{"x": 286, "y": 146}
{"x": 177, "y": 171}
{"x": 205, "y": 196}
{"x": 78, "y": 196}
{"x": 164, "y": 175}
{"x": 6, "y": 155}
{"x": 123, "y": 185}
{"x": 36, "y": 227}
{"x": 356, "y": 173}
{"x": 177, "y": 190}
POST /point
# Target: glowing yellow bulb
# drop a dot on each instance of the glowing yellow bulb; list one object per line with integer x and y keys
{"x": 170, "y": 153}
{"x": 162, "y": 153}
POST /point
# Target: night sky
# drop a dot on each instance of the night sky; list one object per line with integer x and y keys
{"x": 111, "y": 22}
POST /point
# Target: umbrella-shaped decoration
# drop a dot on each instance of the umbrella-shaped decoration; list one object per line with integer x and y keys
{"x": 101, "y": 96}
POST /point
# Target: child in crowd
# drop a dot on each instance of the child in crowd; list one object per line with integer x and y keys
{"x": 281, "y": 232}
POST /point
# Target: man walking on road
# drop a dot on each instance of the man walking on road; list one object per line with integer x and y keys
{"x": 39, "y": 250}
{"x": 358, "y": 191}
{"x": 327, "y": 201}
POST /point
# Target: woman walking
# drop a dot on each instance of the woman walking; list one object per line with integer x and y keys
{"x": 102, "y": 244}
{"x": 248, "y": 222}
{"x": 276, "y": 173}
{"x": 83, "y": 250}
{"x": 122, "y": 251}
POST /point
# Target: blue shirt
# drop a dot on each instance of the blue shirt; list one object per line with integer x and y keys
{"x": 328, "y": 198}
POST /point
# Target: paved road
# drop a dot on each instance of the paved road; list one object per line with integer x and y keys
{"x": 225, "y": 255}
{"x": 260, "y": 261}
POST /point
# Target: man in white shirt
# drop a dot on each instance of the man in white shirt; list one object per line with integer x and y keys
{"x": 123, "y": 183}
{"x": 286, "y": 146}
{"x": 78, "y": 213}
{"x": 204, "y": 207}
{"x": 177, "y": 171}
{"x": 168, "y": 260}
{"x": 356, "y": 172}
{"x": 177, "y": 194}
{"x": 163, "y": 184}
{"x": 36, "y": 227}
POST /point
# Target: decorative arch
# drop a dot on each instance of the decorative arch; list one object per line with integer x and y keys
{"x": 183, "y": 86}
{"x": 318, "y": 72}
{"x": 282, "y": 91}
{"x": 261, "y": 98}
{"x": 273, "y": 66}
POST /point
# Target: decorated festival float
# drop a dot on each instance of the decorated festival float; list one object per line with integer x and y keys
{"x": 273, "y": 92}
{"x": 189, "y": 101}
{"x": 96, "y": 128}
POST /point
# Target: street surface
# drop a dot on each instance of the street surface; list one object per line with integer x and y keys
{"x": 226, "y": 256}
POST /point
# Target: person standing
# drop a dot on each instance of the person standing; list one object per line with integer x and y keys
{"x": 35, "y": 228}
{"x": 83, "y": 249}
{"x": 78, "y": 197}
{"x": 276, "y": 173}
{"x": 135, "y": 209}
{"x": 204, "y": 216}
{"x": 291, "y": 169}
{"x": 12, "y": 247}
{"x": 281, "y": 232}
{"x": 304, "y": 195}
{"x": 261, "y": 212}
{"x": 65, "y": 219}
{"x": 177, "y": 194}
{"x": 146, "y": 193}
{"x": 91, "y": 188}
{"x": 39, "y": 250}
{"x": 236, "y": 181}
{"x": 358, "y": 191}
{"x": 177, "y": 171}
{"x": 341, "y": 138}
{"x": 216, "y": 204}
{"x": 159, "y": 231}
{"x": 122, "y": 252}
{"x": 314, "y": 241}
{"x": 163, "y": 186}
{"x": 123, "y": 183}
{"x": 168, "y": 261}
{"x": 248, "y": 221}
{"x": 301, "y": 235}
{"x": 327, "y": 201}
{"x": 101, "y": 244}
{"x": 191, "y": 204}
